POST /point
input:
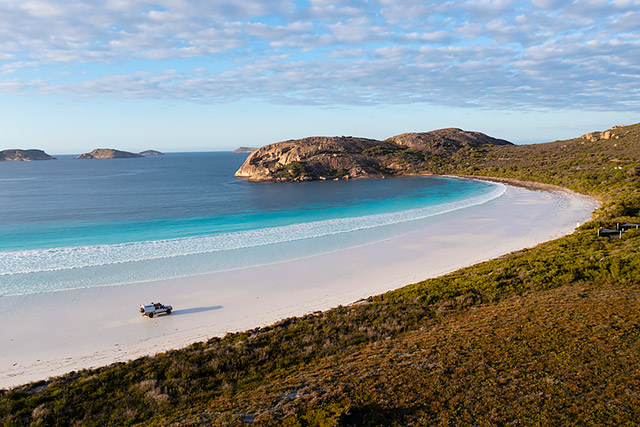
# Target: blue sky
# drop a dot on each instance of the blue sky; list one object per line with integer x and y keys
{"x": 187, "y": 75}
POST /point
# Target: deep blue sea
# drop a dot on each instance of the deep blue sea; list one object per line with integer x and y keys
{"x": 70, "y": 223}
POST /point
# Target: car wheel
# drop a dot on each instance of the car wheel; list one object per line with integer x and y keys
{"x": 168, "y": 311}
{"x": 150, "y": 315}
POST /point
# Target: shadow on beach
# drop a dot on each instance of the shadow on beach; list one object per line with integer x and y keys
{"x": 195, "y": 310}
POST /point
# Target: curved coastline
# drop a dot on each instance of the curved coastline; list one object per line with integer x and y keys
{"x": 530, "y": 185}
{"x": 54, "y": 259}
{"x": 214, "y": 304}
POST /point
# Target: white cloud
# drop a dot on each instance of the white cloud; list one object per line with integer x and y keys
{"x": 460, "y": 52}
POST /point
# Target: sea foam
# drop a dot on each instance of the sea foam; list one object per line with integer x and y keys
{"x": 44, "y": 260}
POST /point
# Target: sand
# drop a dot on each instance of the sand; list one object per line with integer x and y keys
{"x": 49, "y": 334}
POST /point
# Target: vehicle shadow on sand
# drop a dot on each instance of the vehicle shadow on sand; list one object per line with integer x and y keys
{"x": 194, "y": 310}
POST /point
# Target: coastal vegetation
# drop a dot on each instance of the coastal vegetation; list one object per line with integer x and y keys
{"x": 544, "y": 336}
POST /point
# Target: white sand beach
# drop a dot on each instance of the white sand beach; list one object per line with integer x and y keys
{"x": 48, "y": 334}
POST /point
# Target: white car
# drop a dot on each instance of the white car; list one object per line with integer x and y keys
{"x": 154, "y": 308}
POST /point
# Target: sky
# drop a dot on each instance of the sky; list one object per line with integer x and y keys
{"x": 195, "y": 75}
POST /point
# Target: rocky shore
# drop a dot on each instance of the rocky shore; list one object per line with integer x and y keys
{"x": 345, "y": 157}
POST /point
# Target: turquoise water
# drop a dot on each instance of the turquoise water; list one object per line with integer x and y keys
{"x": 68, "y": 223}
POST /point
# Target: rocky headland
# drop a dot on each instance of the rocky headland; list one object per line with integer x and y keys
{"x": 344, "y": 157}
{"x": 108, "y": 153}
{"x": 16, "y": 155}
{"x": 151, "y": 153}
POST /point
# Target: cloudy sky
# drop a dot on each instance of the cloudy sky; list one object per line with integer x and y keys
{"x": 184, "y": 75}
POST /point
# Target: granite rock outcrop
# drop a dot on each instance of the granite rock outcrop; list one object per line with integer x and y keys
{"x": 445, "y": 141}
{"x": 108, "y": 153}
{"x": 344, "y": 157}
{"x": 317, "y": 157}
{"x": 17, "y": 155}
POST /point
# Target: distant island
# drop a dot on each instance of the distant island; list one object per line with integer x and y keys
{"x": 108, "y": 153}
{"x": 151, "y": 153}
{"x": 244, "y": 150}
{"x": 344, "y": 157}
{"x": 16, "y": 155}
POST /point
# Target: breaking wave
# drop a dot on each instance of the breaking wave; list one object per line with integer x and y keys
{"x": 44, "y": 260}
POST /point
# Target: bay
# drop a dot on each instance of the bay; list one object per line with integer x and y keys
{"x": 70, "y": 223}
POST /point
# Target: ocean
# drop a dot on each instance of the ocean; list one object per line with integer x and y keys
{"x": 68, "y": 224}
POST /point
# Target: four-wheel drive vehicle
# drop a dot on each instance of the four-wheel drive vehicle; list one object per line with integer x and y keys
{"x": 154, "y": 308}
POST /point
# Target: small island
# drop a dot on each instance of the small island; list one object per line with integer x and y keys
{"x": 151, "y": 153}
{"x": 244, "y": 150}
{"x": 108, "y": 153}
{"x": 17, "y": 155}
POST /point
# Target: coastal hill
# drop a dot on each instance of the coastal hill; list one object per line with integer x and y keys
{"x": 445, "y": 141}
{"x": 16, "y": 155}
{"x": 151, "y": 153}
{"x": 348, "y": 157}
{"x": 244, "y": 150}
{"x": 315, "y": 158}
{"x": 108, "y": 153}
{"x": 548, "y": 335}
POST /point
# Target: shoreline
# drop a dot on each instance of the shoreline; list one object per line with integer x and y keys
{"x": 99, "y": 326}
{"x": 153, "y": 259}
{"x": 530, "y": 185}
